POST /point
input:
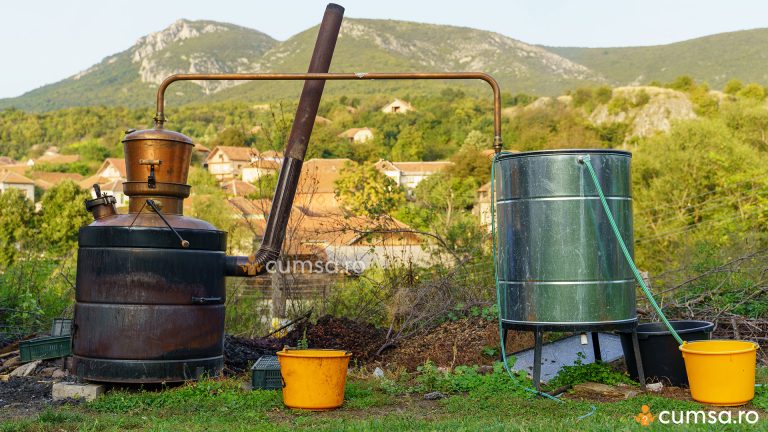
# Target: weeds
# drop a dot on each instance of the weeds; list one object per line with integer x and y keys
{"x": 591, "y": 372}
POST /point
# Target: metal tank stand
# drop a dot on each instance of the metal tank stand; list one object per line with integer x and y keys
{"x": 538, "y": 335}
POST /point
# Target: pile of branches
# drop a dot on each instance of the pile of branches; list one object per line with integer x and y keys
{"x": 732, "y": 295}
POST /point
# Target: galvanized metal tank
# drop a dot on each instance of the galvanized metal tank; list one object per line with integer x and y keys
{"x": 560, "y": 265}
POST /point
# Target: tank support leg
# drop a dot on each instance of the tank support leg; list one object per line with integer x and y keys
{"x": 596, "y": 347}
{"x": 537, "y": 359}
{"x": 638, "y": 359}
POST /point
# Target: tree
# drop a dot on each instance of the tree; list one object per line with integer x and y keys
{"x": 63, "y": 213}
{"x": 732, "y": 87}
{"x": 233, "y": 136}
{"x": 410, "y": 145}
{"x": 265, "y": 187}
{"x": 752, "y": 91}
{"x": 699, "y": 183}
{"x": 445, "y": 195}
{"x": 684, "y": 83}
{"x": 363, "y": 190}
{"x": 16, "y": 223}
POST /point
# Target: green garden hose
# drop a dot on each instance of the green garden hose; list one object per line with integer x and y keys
{"x": 585, "y": 160}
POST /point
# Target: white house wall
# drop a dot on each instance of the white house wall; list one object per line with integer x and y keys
{"x": 28, "y": 189}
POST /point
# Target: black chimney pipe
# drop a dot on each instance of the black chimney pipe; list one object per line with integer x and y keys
{"x": 295, "y": 150}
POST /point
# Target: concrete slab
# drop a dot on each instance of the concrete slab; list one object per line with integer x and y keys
{"x": 89, "y": 392}
{"x": 564, "y": 352}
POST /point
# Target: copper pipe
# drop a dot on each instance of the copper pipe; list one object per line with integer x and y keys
{"x": 497, "y": 142}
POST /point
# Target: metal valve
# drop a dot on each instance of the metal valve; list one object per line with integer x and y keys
{"x": 151, "y": 181}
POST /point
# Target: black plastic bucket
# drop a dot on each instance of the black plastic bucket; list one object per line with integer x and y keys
{"x": 662, "y": 360}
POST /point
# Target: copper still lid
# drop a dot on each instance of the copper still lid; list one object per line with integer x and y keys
{"x": 157, "y": 156}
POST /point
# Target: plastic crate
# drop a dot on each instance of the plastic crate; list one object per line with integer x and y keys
{"x": 265, "y": 374}
{"x": 45, "y": 348}
{"x": 61, "y": 327}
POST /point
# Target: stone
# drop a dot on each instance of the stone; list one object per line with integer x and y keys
{"x": 64, "y": 390}
{"x": 11, "y": 362}
{"x": 435, "y": 395}
{"x": 47, "y": 372}
{"x": 485, "y": 370}
{"x": 378, "y": 373}
{"x": 25, "y": 370}
{"x": 4, "y": 378}
{"x": 59, "y": 373}
{"x": 591, "y": 389}
{"x": 654, "y": 387}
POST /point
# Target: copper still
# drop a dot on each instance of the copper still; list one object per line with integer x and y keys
{"x": 150, "y": 287}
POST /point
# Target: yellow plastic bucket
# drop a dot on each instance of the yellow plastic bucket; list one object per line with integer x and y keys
{"x": 721, "y": 372}
{"x": 313, "y": 379}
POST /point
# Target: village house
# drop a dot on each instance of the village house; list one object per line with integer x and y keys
{"x": 12, "y": 180}
{"x": 110, "y": 177}
{"x": 201, "y": 152}
{"x": 409, "y": 174}
{"x": 46, "y": 180}
{"x": 352, "y": 243}
{"x": 227, "y": 162}
{"x": 264, "y": 163}
{"x": 397, "y": 106}
{"x": 51, "y": 156}
{"x": 357, "y": 135}
{"x": 318, "y": 182}
{"x": 238, "y": 188}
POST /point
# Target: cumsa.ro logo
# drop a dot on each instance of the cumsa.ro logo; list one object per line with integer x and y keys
{"x": 645, "y": 417}
{"x": 724, "y": 417}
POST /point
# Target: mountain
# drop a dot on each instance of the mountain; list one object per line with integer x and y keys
{"x": 714, "y": 59}
{"x": 130, "y": 78}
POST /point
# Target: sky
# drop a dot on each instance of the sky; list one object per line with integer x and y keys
{"x": 46, "y": 41}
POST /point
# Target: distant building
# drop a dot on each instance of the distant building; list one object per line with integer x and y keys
{"x": 202, "y": 151}
{"x": 328, "y": 235}
{"x": 259, "y": 168}
{"x": 397, "y": 106}
{"x": 112, "y": 169}
{"x": 46, "y": 180}
{"x": 410, "y": 174}
{"x": 226, "y": 162}
{"x": 317, "y": 183}
{"x": 53, "y": 159}
{"x": 110, "y": 177}
{"x": 357, "y": 135}
{"x": 115, "y": 188}
{"x": 12, "y": 180}
{"x": 238, "y": 188}
{"x": 5, "y": 160}
{"x": 483, "y": 207}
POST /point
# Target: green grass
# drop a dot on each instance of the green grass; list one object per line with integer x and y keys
{"x": 369, "y": 405}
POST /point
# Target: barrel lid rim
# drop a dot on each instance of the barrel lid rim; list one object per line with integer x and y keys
{"x": 701, "y": 326}
{"x": 564, "y": 152}
{"x": 158, "y": 134}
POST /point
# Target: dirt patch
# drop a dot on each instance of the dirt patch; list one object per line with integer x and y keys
{"x": 361, "y": 339}
{"x": 23, "y": 396}
{"x": 472, "y": 341}
{"x": 241, "y": 353}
